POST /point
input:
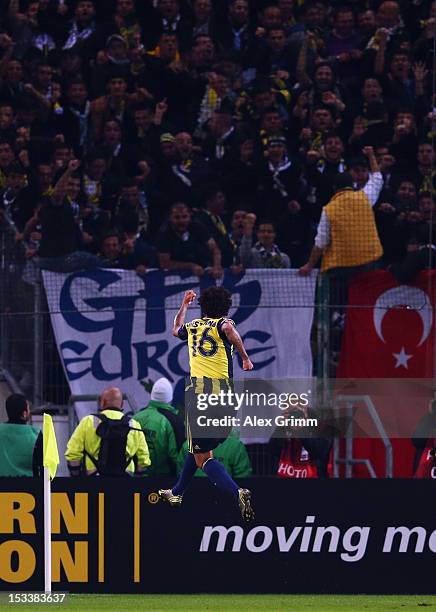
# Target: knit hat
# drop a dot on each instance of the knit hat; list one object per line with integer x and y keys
{"x": 167, "y": 137}
{"x": 342, "y": 181}
{"x": 115, "y": 37}
{"x": 359, "y": 162}
{"x": 162, "y": 391}
{"x": 277, "y": 141}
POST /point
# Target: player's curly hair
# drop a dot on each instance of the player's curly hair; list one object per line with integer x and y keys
{"x": 215, "y": 302}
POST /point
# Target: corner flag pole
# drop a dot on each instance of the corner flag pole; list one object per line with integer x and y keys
{"x": 50, "y": 463}
{"x": 47, "y": 531}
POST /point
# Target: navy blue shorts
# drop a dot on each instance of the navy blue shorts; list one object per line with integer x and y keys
{"x": 199, "y": 443}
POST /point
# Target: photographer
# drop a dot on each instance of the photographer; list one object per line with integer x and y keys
{"x": 296, "y": 450}
{"x": 424, "y": 441}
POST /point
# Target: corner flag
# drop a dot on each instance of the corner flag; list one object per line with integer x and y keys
{"x": 50, "y": 452}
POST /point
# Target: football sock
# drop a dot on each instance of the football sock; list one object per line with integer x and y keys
{"x": 186, "y": 475}
{"x": 217, "y": 474}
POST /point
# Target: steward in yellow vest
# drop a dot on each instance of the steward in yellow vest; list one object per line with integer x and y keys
{"x": 128, "y": 453}
{"x": 354, "y": 239}
{"x": 347, "y": 237}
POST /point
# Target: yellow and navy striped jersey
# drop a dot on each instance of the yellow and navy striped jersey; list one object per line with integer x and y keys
{"x": 210, "y": 352}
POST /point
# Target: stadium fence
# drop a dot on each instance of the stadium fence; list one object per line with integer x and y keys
{"x": 30, "y": 362}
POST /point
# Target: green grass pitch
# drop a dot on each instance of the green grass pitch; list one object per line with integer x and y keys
{"x": 221, "y": 603}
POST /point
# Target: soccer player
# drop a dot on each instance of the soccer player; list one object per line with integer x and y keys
{"x": 211, "y": 340}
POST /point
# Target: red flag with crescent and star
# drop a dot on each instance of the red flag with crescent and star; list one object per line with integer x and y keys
{"x": 389, "y": 335}
{"x": 389, "y": 328}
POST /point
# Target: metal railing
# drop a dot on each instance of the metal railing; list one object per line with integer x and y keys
{"x": 353, "y": 403}
{"x": 19, "y": 308}
{"x": 28, "y": 355}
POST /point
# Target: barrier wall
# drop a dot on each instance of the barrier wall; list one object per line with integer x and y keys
{"x": 308, "y": 537}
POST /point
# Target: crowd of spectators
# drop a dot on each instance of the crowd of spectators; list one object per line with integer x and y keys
{"x": 203, "y": 134}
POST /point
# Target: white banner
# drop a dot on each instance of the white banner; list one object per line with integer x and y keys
{"x": 113, "y": 328}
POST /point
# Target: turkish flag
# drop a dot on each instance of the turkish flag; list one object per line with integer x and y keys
{"x": 391, "y": 326}
{"x": 389, "y": 341}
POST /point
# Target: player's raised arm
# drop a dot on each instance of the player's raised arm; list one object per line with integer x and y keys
{"x": 179, "y": 319}
{"x": 234, "y": 338}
